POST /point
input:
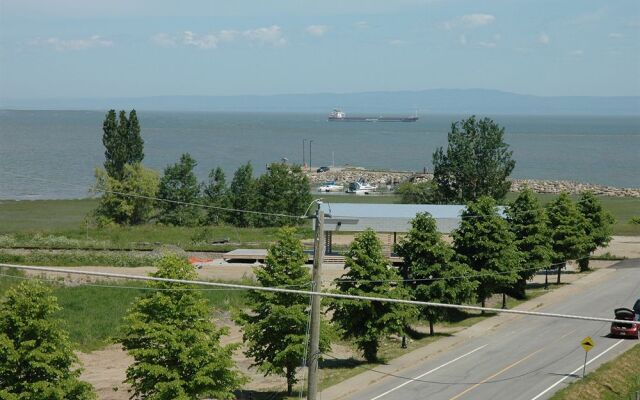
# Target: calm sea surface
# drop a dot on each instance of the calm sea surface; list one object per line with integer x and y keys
{"x": 58, "y": 150}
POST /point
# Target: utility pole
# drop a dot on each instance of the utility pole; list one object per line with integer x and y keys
{"x": 314, "y": 334}
{"x": 310, "y": 141}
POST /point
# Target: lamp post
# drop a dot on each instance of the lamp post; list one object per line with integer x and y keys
{"x": 310, "y": 141}
{"x": 303, "y": 148}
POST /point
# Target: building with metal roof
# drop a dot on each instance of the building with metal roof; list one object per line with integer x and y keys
{"x": 387, "y": 218}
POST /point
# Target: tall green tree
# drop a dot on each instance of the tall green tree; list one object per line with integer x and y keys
{"x": 431, "y": 271}
{"x": 477, "y": 162}
{"x": 216, "y": 194}
{"x": 36, "y": 356}
{"x": 126, "y": 200}
{"x": 135, "y": 144}
{"x": 368, "y": 274}
{"x": 243, "y": 195}
{"x": 275, "y": 324}
{"x": 484, "y": 242}
{"x": 282, "y": 189}
{"x": 122, "y": 141}
{"x": 528, "y": 222}
{"x": 179, "y": 186}
{"x": 569, "y": 239}
{"x": 175, "y": 346}
{"x": 598, "y": 225}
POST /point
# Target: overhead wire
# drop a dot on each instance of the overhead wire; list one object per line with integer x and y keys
{"x": 228, "y": 209}
{"x": 314, "y": 293}
{"x": 135, "y": 195}
{"x": 546, "y": 268}
{"x": 100, "y": 285}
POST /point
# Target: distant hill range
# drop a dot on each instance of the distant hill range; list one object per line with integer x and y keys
{"x": 454, "y": 101}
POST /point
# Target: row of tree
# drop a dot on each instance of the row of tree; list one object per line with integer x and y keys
{"x": 176, "y": 348}
{"x": 133, "y": 194}
{"x": 491, "y": 253}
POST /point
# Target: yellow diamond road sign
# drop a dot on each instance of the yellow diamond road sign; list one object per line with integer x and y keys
{"x": 587, "y": 343}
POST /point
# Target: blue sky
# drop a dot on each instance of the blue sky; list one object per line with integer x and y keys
{"x": 118, "y": 48}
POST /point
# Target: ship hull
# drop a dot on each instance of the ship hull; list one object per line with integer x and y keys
{"x": 373, "y": 119}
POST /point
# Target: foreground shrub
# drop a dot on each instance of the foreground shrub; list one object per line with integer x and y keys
{"x": 175, "y": 347}
{"x": 36, "y": 358}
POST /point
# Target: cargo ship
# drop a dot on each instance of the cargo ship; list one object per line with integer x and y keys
{"x": 339, "y": 115}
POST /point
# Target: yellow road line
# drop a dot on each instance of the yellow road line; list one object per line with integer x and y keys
{"x": 508, "y": 367}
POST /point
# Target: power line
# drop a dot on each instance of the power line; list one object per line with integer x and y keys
{"x": 320, "y": 294}
{"x": 548, "y": 267}
{"x": 40, "y": 278}
{"x": 186, "y": 203}
{"x": 468, "y": 216}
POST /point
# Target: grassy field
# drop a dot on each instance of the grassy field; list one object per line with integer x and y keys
{"x": 622, "y": 208}
{"x": 63, "y": 224}
{"x": 617, "y": 379}
{"x": 92, "y": 314}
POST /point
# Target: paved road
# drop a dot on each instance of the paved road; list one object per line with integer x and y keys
{"x": 529, "y": 357}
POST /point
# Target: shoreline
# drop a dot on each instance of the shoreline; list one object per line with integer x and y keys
{"x": 345, "y": 175}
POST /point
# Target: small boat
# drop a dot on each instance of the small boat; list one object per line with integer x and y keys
{"x": 330, "y": 186}
{"x": 361, "y": 187}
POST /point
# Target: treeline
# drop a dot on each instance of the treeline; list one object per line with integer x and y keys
{"x": 492, "y": 252}
{"x": 132, "y": 194}
{"x": 176, "y": 347}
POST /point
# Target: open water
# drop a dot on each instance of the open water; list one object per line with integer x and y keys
{"x": 52, "y": 154}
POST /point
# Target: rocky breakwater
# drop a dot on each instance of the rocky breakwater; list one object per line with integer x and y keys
{"x": 344, "y": 176}
{"x": 555, "y": 187}
{"x": 390, "y": 179}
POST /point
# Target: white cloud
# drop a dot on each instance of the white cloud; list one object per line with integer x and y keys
{"x": 576, "y": 53}
{"x": 73, "y": 44}
{"x": 470, "y": 21}
{"x": 209, "y": 41}
{"x": 543, "y": 38}
{"x": 487, "y": 44}
{"x": 164, "y": 40}
{"x": 268, "y": 36}
{"x": 616, "y": 35}
{"x": 317, "y": 30}
{"x": 361, "y": 24}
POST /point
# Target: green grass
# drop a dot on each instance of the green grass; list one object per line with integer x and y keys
{"x": 62, "y": 224}
{"x": 93, "y": 314}
{"x": 44, "y": 215}
{"x": 616, "y": 379}
{"x": 77, "y": 258}
{"x": 622, "y": 208}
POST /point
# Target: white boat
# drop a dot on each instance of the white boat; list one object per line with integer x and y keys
{"x": 361, "y": 187}
{"x": 330, "y": 186}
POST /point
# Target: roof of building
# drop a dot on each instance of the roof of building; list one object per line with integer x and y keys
{"x": 350, "y": 217}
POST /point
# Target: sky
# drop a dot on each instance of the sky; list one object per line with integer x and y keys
{"x": 132, "y": 48}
